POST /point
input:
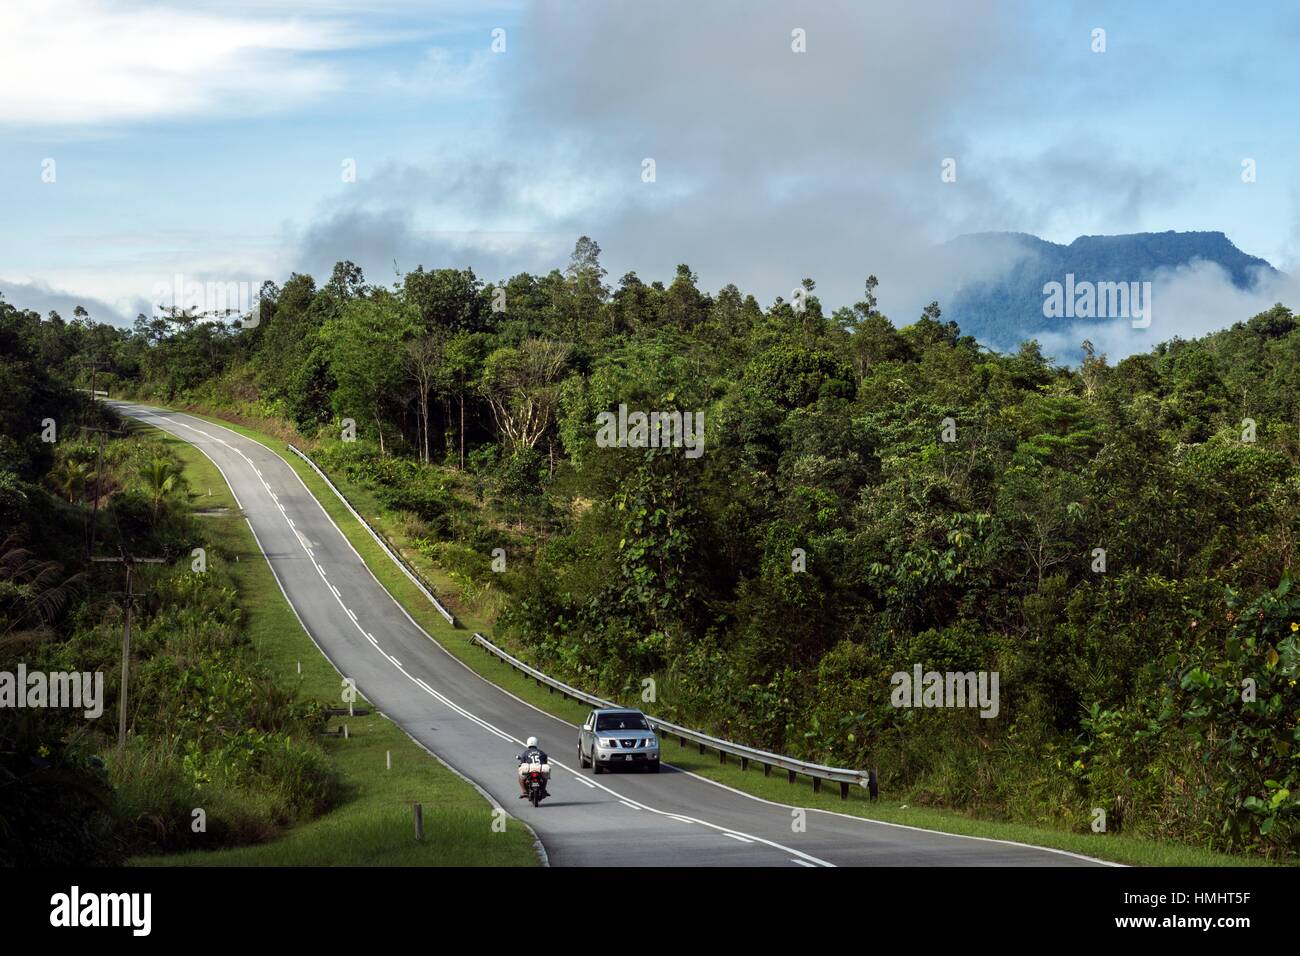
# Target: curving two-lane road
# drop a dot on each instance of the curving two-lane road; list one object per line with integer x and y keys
{"x": 673, "y": 818}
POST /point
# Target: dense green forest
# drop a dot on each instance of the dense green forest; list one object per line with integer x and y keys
{"x": 1115, "y": 540}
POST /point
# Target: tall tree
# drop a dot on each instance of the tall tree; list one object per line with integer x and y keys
{"x": 425, "y": 364}
{"x": 449, "y": 299}
{"x": 522, "y": 387}
{"x": 586, "y": 291}
{"x": 464, "y": 365}
{"x": 368, "y": 358}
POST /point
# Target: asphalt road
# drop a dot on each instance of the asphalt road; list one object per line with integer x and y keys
{"x": 673, "y": 818}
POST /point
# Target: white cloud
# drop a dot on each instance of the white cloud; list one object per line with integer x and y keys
{"x": 771, "y": 165}
{"x": 1186, "y": 303}
{"x": 91, "y": 62}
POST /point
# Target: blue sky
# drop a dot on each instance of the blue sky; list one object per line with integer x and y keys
{"x": 207, "y": 138}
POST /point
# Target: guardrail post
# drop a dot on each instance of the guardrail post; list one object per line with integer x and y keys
{"x": 791, "y": 773}
{"x": 701, "y": 748}
{"x": 817, "y": 784}
{"x": 744, "y": 763}
{"x": 682, "y": 741}
{"x": 767, "y": 770}
{"x": 722, "y": 756}
{"x": 419, "y": 822}
{"x": 844, "y": 790}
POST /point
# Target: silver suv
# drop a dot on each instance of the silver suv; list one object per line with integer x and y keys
{"x": 617, "y": 738}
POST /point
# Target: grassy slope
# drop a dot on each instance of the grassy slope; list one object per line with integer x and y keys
{"x": 375, "y": 826}
{"x": 1124, "y": 849}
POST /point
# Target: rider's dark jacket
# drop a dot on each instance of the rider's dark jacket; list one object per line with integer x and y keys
{"x": 528, "y": 755}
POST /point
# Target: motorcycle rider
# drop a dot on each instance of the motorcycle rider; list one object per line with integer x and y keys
{"x": 532, "y": 754}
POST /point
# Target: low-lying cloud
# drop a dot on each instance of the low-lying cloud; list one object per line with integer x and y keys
{"x": 1186, "y": 303}
{"x": 770, "y": 165}
{"x": 43, "y": 299}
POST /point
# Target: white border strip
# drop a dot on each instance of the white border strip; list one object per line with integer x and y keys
{"x": 450, "y": 618}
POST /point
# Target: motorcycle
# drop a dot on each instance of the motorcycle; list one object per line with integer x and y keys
{"x": 535, "y": 781}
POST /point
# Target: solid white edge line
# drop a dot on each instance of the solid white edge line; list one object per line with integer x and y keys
{"x": 538, "y": 845}
{"x": 472, "y": 717}
{"x": 715, "y": 783}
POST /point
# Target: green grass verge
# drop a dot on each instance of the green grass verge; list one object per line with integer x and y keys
{"x": 375, "y": 825}
{"x": 1115, "y": 847}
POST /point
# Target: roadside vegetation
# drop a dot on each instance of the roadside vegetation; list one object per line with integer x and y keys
{"x": 1115, "y": 541}
{"x": 230, "y": 754}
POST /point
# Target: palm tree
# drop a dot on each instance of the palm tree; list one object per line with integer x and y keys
{"x": 69, "y": 477}
{"x": 161, "y": 478}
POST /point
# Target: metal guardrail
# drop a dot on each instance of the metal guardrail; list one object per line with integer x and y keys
{"x": 866, "y": 779}
{"x": 380, "y": 539}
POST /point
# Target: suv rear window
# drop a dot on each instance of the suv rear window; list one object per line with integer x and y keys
{"x": 621, "y": 722}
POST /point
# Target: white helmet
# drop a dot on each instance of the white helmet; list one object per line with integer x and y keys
{"x": 531, "y": 742}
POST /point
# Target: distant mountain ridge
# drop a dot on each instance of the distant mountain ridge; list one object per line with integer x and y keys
{"x": 1003, "y": 311}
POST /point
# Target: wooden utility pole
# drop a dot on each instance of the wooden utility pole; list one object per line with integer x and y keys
{"x": 94, "y": 367}
{"x": 130, "y": 561}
